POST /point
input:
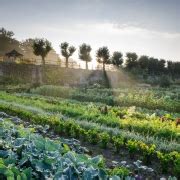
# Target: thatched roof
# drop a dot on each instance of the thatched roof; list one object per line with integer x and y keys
{"x": 14, "y": 53}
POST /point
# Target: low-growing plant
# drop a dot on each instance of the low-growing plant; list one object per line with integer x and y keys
{"x": 105, "y": 138}
{"x": 148, "y": 151}
{"x": 132, "y": 148}
{"x": 32, "y": 156}
{"x": 169, "y": 162}
{"x": 75, "y": 131}
{"x": 120, "y": 171}
{"x": 93, "y": 136}
{"x": 117, "y": 142}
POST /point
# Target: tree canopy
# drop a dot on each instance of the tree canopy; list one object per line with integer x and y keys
{"x": 41, "y": 48}
{"x": 84, "y": 53}
{"x": 117, "y": 59}
{"x": 8, "y": 42}
{"x": 103, "y": 56}
{"x": 131, "y": 61}
{"x": 67, "y": 51}
{"x": 30, "y": 48}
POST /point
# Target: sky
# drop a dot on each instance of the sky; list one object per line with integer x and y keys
{"x": 147, "y": 27}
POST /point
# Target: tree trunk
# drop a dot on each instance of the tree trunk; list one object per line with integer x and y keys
{"x": 38, "y": 79}
{"x": 66, "y": 62}
{"x": 43, "y": 69}
{"x": 103, "y": 66}
{"x": 86, "y": 65}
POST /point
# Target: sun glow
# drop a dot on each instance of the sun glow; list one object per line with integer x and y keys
{"x": 91, "y": 65}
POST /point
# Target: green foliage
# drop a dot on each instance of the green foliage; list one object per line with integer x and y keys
{"x": 132, "y": 120}
{"x": 67, "y": 51}
{"x": 141, "y": 97}
{"x": 120, "y": 171}
{"x": 105, "y": 138}
{"x": 171, "y": 159}
{"x": 41, "y": 48}
{"x": 118, "y": 142}
{"x": 117, "y": 59}
{"x": 8, "y": 42}
{"x": 55, "y": 91}
{"x": 93, "y": 136}
{"x": 37, "y": 111}
{"x": 103, "y": 56}
{"x": 42, "y": 158}
{"x": 132, "y": 147}
{"x": 131, "y": 61}
{"x": 165, "y": 82}
{"x": 148, "y": 151}
{"x": 84, "y": 53}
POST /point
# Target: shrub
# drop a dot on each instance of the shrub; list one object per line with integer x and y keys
{"x": 164, "y": 82}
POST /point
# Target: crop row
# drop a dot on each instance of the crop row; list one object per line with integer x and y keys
{"x": 125, "y": 97}
{"x": 27, "y": 155}
{"x": 161, "y": 144}
{"x": 118, "y": 110}
{"x": 171, "y": 93}
{"x": 169, "y": 161}
{"x": 130, "y": 120}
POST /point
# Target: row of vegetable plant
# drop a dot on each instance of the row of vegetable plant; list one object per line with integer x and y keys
{"x": 25, "y": 155}
{"x": 163, "y": 145}
{"x": 151, "y": 99}
{"x": 95, "y": 136}
{"x": 129, "y": 120}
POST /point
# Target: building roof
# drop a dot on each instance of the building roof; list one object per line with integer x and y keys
{"x": 14, "y": 53}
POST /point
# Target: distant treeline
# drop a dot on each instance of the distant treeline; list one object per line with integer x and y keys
{"x": 142, "y": 65}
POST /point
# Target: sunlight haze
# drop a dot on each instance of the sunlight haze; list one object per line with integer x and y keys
{"x": 145, "y": 27}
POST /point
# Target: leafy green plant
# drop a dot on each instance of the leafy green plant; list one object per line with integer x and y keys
{"x": 142, "y": 123}
{"x": 132, "y": 148}
{"x": 42, "y": 158}
{"x": 90, "y": 131}
{"x": 105, "y": 138}
{"x": 118, "y": 142}
{"x": 93, "y": 136}
{"x": 120, "y": 171}
{"x": 151, "y": 98}
{"x": 148, "y": 151}
{"x": 169, "y": 160}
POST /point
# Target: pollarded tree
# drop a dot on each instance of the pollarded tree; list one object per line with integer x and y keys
{"x": 117, "y": 59}
{"x": 28, "y": 52}
{"x": 84, "y": 53}
{"x": 131, "y": 61}
{"x": 103, "y": 56}
{"x": 41, "y": 47}
{"x": 67, "y": 51}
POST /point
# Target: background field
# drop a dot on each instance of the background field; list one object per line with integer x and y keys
{"x": 135, "y": 129}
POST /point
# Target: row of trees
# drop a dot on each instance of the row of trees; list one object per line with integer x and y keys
{"x": 42, "y": 47}
{"x": 142, "y": 64}
{"x": 131, "y": 62}
{"x": 102, "y": 54}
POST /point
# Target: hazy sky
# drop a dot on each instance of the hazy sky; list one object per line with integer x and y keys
{"x": 150, "y": 27}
